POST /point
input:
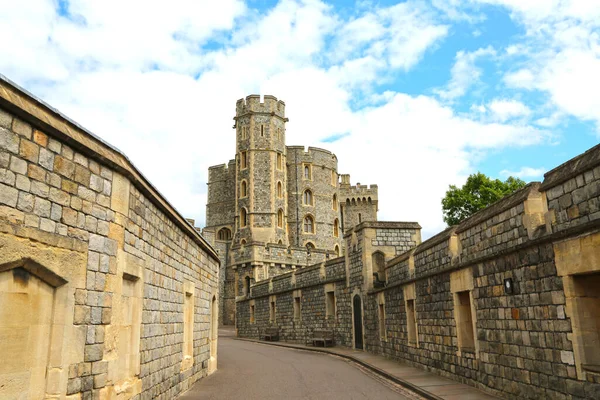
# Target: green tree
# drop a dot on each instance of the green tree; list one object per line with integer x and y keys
{"x": 478, "y": 192}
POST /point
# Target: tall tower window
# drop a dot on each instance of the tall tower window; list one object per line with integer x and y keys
{"x": 336, "y": 229}
{"x": 244, "y": 132}
{"x": 243, "y": 189}
{"x": 309, "y": 224}
{"x": 280, "y": 218}
{"x": 262, "y": 130}
{"x": 307, "y": 172}
{"x": 279, "y": 161}
{"x": 279, "y": 190}
{"x": 243, "y": 218}
{"x": 243, "y": 160}
{"x": 308, "y": 198}
{"x": 337, "y": 250}
{"x": 333, "y": 178}
{"x": 334, "y": 204}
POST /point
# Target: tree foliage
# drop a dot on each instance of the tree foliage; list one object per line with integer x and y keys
{"x": 478, "y": 192}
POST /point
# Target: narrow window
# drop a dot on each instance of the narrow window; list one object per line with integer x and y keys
{"x": 297, "y": 307}
{"x": 244, "y": 189}
{"x": 243, "y": 160}
{"x": 279, "y": 161}
{"x": 359, "y": 218}
{"x": 333, "y": 178}
{"x": 308, "y": 198}
{"x": 586, "y": 310}
{"x": 411, "y": 322}
{"x": 188, "y": 330}
{"x": 243, "y": 217}
{"x": 307, "y": 172}
{"x": 334, "y": 203}
{"x": 262, "y": 130}
{"x": 309, "y": 226}
{"x": 337, "y": 250}
{"x": 310, "y": 247}
{"x": 464, "y": 323}
{"x": 378, "y": 263}
{"x": 382, "y": 334}
{"x": 272, "y": 312}
{"x": 252, "y": 313}
{"x": 279, "y": 190}
{"x": 280, "y": 218}
{"x": 330, "y": 304}
{"x": 336, "y": 229}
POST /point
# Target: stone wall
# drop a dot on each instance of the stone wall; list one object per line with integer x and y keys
{"x": 106, "y": 291}
{"x": 508, "y": 301}
{"x": 310, "y": 285}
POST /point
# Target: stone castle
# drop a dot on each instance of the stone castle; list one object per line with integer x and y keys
{"x": 275, "y": 207}
{"x": 507, "y": 301}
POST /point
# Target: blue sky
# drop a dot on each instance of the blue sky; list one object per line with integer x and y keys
{"x": 413, "y": 96}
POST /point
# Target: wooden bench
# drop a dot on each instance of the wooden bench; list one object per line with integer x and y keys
{"x": 271, "y": 334}
{"x": 323, "y": 337}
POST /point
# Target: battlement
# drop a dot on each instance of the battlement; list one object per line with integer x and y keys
{"x": 315, "y": 155}
{"x": 348, "y": 191}
{"x": 252, "y": 104}
{"x": 221, "y": 172}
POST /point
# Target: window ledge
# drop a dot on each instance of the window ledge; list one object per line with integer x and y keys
{"x": 591, "y": 367}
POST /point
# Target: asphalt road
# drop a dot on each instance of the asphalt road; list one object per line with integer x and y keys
{"x": 255, "y": 371}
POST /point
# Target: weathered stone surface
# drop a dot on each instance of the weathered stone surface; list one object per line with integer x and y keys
{"x": 92, "y": 281}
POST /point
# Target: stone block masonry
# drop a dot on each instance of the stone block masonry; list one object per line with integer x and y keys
{"x": 106, "y": 291}
{"x": 507, "y": 301}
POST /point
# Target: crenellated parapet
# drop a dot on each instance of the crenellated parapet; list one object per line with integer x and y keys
{"x": 252, "y": 105}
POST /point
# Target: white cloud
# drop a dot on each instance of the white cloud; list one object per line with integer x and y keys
{"x": 524, "y": 173}
{"x": 503, "y": 110}
{"x": 562, "y": 46}
{"x": 151, "y": 89}
{"x": 465, "y": 73}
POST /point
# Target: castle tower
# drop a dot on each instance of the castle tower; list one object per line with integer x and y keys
{"x": 261, "y": 187}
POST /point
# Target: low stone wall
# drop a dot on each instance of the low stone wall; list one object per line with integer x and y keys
{"x": 309, "y": 284}
{"x": 106, "y": 291}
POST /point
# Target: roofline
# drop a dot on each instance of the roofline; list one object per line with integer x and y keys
{"x": 45, "y": 117}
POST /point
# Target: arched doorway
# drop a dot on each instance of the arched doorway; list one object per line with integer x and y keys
{"x": 358, "y": 331}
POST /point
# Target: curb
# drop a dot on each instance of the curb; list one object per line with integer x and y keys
{"x": 414, "y": 388}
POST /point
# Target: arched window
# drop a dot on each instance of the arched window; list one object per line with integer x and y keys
{"x": 333, "y": 178}
{"x": 243, "y": 217}
{"x": 243, "y": 189}
{"x": 309, "y": 224}
{"x": 310, "y": 247}
{"x": 347, "y": 202}
{"x": 243, "y": 160}
{"x": 243, "y": 242}
{"x": 353, "y": 202}
{"x": 378, "y": 261}
{"x": 336, "y": 229}
{"x": 224, "y": 234}
{"x": 337, "y": 250}
{"x": 308, "y": 198}
{"x": 279, "y": 190}
{"x": 335, "y": 202}
{"x": 280, "y": 218}
{"x": 279, "y": 161}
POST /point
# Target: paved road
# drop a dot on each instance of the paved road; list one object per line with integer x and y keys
{"x": 255, "y": 371}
